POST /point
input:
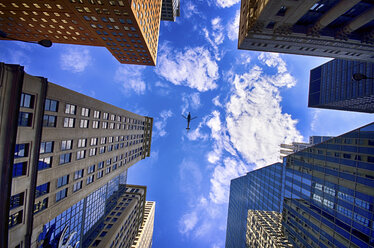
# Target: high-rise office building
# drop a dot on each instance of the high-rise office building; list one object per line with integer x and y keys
{"x": 144, "y": 237}
{"x": 331, "y": 86}
{"x": 62, "y": 152}
{"x": 338, "y": 29}
{"x": 264, "y": 230}
{"x": 170, "y": 10}
{"x": 329, "y": 192}
{"x": 128, "y": 29}
{"x": 287, "y": 149}
{"x": 261, "y": 189}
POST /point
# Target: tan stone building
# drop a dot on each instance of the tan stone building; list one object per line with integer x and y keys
{"x": 337, "y": 29}
{"x": 145, "y": 235}
{"x": 129, "y": 29}
{"x": 66, "y": 148}
{"x": 264, "y": 230}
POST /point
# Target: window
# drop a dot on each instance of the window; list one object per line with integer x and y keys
{"x": 111, "y": 125}
{"x": 16, "y": 200}
{"x": 114, "y": 166}
{"x": 42, "y": 190}
{"x": 65, "y": 158}
{"x": 97, "y": 114}
{"x": 61, "y": 181}
{"x": 49, "y": 121}
{"x": 102, "y": 150}
{"x": 110, "y": 139}
{"x": 103, "y": 140}
{"x": 100, "y": 165}
{"x": 46, "y": 147}
{"x": 27, "y": 101}
{"x": 24, "y": 119}
{"x": 95, "y": 124}
{"x": 90, "y": 179}
{"x": 66, "y": 145}
{"x": 91, "y": 169}
{"x": 70, "y": 109}
{"x": 94, "y": 141}
{"x": 50, "y": 105}
{"x": 282, "y": 11}
{"x": 112, "y": 117}
{"x": 15, "y": 219}
{"x": 85, "y": 112}
{"x": 77, "y": 186}
{"x": 110, "y": 148}
{"x": 83, "y": 124}
{"x": 105, "y": 125}
{"x": 118, "y": 118}
{"x": 40, "y": 206}
{"x": 105, "y": 116}
{"x": 107, "y": 170}
{"x": 100, "y": 174}
{"x": 93, "y": 151}
{"x": 108, "y": 161}
{"x": 61, "y": 194}
{"x": 82, "y": 143}
{"x": 44, "y": 163}
{"x": 78, "y": 174}
{"x": 69, "y": 122}
{"x": 81, "y": 154}
{"x": 21, "y": 150}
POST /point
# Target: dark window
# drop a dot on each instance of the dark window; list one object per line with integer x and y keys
{"x": 49, "y": 121}
{"x": 45, "y": 163}
{"x": 27, "y": 101}
{"x": 15, "y": 219}
{"x": 270, "y": 25}
{"x": 65, "y": 158}
{"x": 282, "y": 11}
{"x": 24, "y": 119}
{"x": 77, "y": 186}
{"x": 16, "y": 200}
{"x": 61, "y": 194}
{"x": 50, "y": 105}
{"x": 19, "y": 169}
{"x": 42, "y": 190}
{"x": 61, "y": 181}
{"x": 46, "y": 147}
{"x": 40, "y": 206}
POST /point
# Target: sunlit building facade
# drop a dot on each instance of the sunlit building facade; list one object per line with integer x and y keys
{"x": 128, "y": 29}
{"x": 336, "y": 28}
{"x": 287, "y": 149}
{"x": 331, "y": 86}
{"x": 170, "y": 10}
{"x": 145, "y": 234}
{"x": 62, "y": 149}
{"x": 329, "y": 192}
{"x": 260, "y": 189}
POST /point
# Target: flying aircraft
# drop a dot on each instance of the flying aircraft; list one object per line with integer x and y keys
{"x": 189, "y": 119}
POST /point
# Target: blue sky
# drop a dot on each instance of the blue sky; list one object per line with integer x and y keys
{"x": 247, "y": 103}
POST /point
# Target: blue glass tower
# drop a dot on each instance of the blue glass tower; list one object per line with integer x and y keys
{"x": 329, "y": 192}
{"x": 261, "y": 189}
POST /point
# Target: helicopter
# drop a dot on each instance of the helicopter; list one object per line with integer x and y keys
{"x": 189, "y": 119}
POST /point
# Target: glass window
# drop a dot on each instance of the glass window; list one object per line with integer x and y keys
{"x": 78, "y": 174}
{"x": 46, "y": 147}
{"x": 83, "y": 124}
{"x": 82, "y": 143}
{"x": 90, "y": 179}
{"x": 105, "y": 125}
{"x": 77, "y": 186}
{"x": 66, "y": 145}
{"x": 61, "y": 194}
{"x": 49, "y": 121}
{"x": 16, "y": 200}
{"x": 81, "y": 154}
{"x": 45, "y": 163}
{"x": 21, "y": 150}
{"x": 65, "y": 158}
{"x": 100, "y": 174}
{"x": 42, "y": 190}
{"x": 70, "y": 109}
{"x": 85, "y": 112}
{"x": 94, "y": 141}
{"x": 27, "y": 101}
{"x": 95, "y": 124}
{"x": 24, "y": 119}
{"x": 15, "y": 219}
{"x": 91, "y": 169}
{"x": 97, "y": 114}
{"x": 41, "y": 205}
{"x": 61, "y": 181}
{"x": 100, "y": 165}
{"x": 69, "y": 122}
{"x": 93, "y": 151}
{"x": 50, "y": 105}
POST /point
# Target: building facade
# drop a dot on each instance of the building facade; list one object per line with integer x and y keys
{"x": 287, "y": 149}
{"x": 337, "y": 29}
{"x": 128, "y": 29}
{"x": 145, "y": 235}
{"x": 329, "y": 192}
{"x": 61, "y": 147}
{"x": 264, "y": 230}
{"x": 170, "y": 10}
{"x": 261, "y": 189}
{"x": 331, "y": 86}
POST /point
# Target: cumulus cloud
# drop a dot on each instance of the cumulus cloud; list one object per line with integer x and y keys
{"x": 75, "y": 59}
{"x": 161, "y": 122}
{"x": 130, "y": 76}
{"x": 193, "y": 67}
{"x": 233, "y": 27}
{"x": 190, "y": 101}
{"x": 217, "y": 28}
{"x": 226, "y": 3}
{"x": 187, "y": 222}
{"x": 216, "y": 101}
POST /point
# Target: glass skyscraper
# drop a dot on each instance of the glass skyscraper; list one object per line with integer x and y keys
{"x": 261, "y": 189}
{"x": 329, "y": 192}
{"x": 332, "y": 87}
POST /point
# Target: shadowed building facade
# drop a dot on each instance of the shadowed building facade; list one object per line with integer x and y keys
{"x": 62, "y": 149}
{"x": 328, "y": 28}
{"x": 331, "y": 86}
{"x": 329, "y": 192}
{"x": 129, "y": 29}
{"x": 170, "y": 10}
{"x": 261, "y": 189}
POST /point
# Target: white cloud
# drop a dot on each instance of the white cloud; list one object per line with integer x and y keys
{"x": 190, "y": 100}
{"x": 188, "y": 222}
{"x": 161, "y": 122}
{"x": 75, "y": 59}
{"x": 226, "y": 3}
{"x": 130, "y": 76}
{"x": 217, "y": 31}
{"x": 215, "y": 37}
{"x": 194, "y": 67}
{"x": 233, "y": 27}
{"x": 216, "y": 101}
{"x": 189, "y": 10}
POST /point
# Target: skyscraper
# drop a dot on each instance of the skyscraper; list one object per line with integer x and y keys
{"x": 298, "y": 146}
{"x": 62, "y": 155}
{"x": 329, "y": 192}
{"x": 144, "y": 237}
{"x": 261, "y": 189}
{"x": 338, "y": 29}
{"x": 170, "y": 10}
{"x": 331, "y": 86}
{"x": 128, "y": 29}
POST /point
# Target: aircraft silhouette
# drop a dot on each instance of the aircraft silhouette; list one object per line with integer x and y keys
{"x": 189, "y": 119}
